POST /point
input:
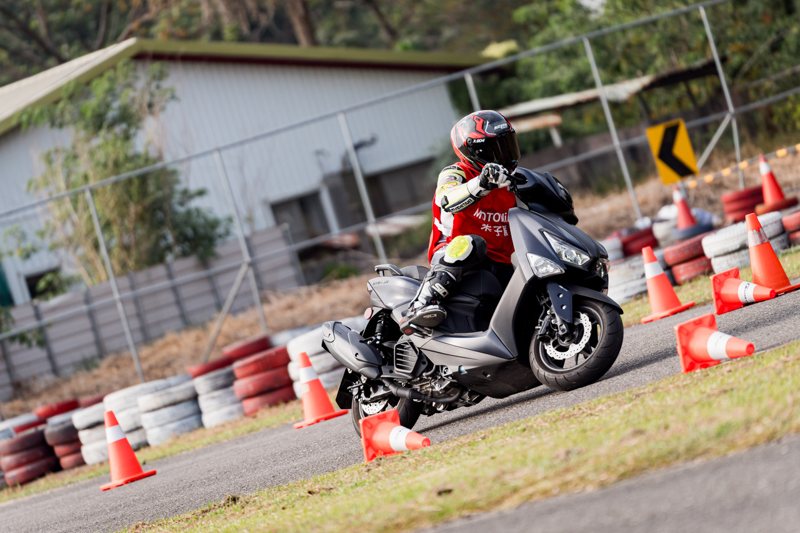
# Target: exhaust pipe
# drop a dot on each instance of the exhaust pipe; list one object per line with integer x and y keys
{"x": 411, "y": 394}
{"x": 350, "y": 349}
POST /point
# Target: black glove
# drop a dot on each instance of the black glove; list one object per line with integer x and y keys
{"x": 493, "y": 176}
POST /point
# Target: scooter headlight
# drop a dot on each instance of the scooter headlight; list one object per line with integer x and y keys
{"x": 567, "y": 252}
{"x": 543, "y": 267}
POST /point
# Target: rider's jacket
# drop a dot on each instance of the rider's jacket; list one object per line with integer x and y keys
{"x": 487, "y": 217}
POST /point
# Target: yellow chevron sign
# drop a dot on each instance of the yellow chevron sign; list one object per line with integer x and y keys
{"x": 672, "y": 150}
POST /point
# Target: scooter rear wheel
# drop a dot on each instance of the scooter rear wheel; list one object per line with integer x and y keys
{"x": 597, "y": 342}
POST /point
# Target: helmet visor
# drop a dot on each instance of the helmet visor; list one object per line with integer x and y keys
{"x": 502, "y": 149}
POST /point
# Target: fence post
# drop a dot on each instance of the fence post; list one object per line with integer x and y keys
{"x": 612, "y": 129}
{"x": 98, "y": 340}
{"x": 725, "y": 91}
{"x": 12, "y": 375}
{"x": 242, "y": 241}
{"x": 37, "y": 313}
{"x": 137, "y": 304}
{"x": 473, "y": 93}
{"x": 361, "y": 185}
{"x": 176, "y": 293}
{"x": 123, "y": 317}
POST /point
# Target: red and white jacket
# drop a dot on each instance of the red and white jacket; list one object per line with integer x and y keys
{"x": 487, "y": 217}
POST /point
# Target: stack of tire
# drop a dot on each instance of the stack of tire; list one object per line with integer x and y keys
{"x": 169, "y": 411}
{"x": 90, "y": 424}
{"x": 687, "y": 260}
{"x": 613, "y": 246}
{"x": 791, "y": 223}
{"x": 634, "y": 241}
{"x": 62, "y": 435}
{"x": 26, "y": 457}
{"x": 217, "y": 402}
{"x": 5, "y": 434}
{"x": 626, "y": 279}
{"x": 738, "y": 204}
{"x": 328, "y": 369}
{"x": 727, "y": 248}
{"x": 262, "y": 380}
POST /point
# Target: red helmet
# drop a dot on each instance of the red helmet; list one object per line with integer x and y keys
{"x": 485, "y": 137}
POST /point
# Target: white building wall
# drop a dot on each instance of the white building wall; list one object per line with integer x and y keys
{"x": 219, "y": 103}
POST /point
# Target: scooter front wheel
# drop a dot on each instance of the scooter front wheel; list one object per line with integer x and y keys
{"x": 595, "y": 344}
{"x": 409, "y": 410}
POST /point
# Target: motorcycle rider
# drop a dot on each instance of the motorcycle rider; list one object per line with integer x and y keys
{"x": 470, "y": 214}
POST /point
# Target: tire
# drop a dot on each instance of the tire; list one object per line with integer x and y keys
{"x": 781, "y": 242}
{"x": 282, "y": 338}
{"x": 251, "y": 405}
{"x": 408, "y": 410}
{"x": 225, "y": 414}
{"x": 663, "y": 231}
{"x": 137, "y": 439}
{"x": 129, "y": 419}
{"x": 321, "y": 362}
{"x": 613, "y": 246}
{"x": 52, "y": 409}
{"x": 89, "y": 416}
{"x": 331, "y": 380}
{"x": 95, "y": 452}
{"x": 92, "y": 435}
{"x": 261, "y": 362}
{"x": 694, "y": 231}
{"x": 161, "y": 434}
{"x": 60, "y": 434}
{"x": 22, "y": 442}
{"x": 169, "y": 414}
{"x": 791, "y": 222}
{"x": 607, "y": 333}
{"x": 71, "y": 461}
{"x": 309, "y": 343}
{"x": 88, "y": 401}
{"x": 636, "y": 247}
{"x": 628, "y": 291}
{"x": 786, "y": 203}
{"x": 684, "y": 251}
{"x": 685, "y": 272}
{"x": 749, "y": 193}
{"x": 733, "y": 238}
{"x": 178, "y": 379}
{"x": 171, "y": 396}
{"x": 204, "y": 368}
{"x": 247, "y": 347}
{"x": 219, "y": 399}
{"x": 127, "y": 398}
{"x": 261, "y": 383}
{"x": 219, "y": 379}
{"x": 794, "y": 238}
{"x": 29, "y": 472}
{"x": 62, "y": 450}
{"x": 25, "y": 457}
{"x": 61, "y": 419}
{"x": 737, "y": 259}
{"x": 17, "y": 421}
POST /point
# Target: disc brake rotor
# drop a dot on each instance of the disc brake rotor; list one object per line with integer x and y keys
{"x": 558, "y": 353}
{"x": 373, "y": 408}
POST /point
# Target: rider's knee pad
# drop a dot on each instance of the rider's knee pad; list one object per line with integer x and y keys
{"x": 465, "y": 251}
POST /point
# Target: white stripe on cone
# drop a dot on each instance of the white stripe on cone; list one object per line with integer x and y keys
{"x": 307, "y": 374}
{"x": 114, "y": 433}
{"x": 756, "y": 237}
{"x": 397, "y": 438}
{"x": 652, "y": 270}
{"x": 716, "y": 346}
{"x": 763, "y": 167}
{"x": 747, "y": 292}
{"x": 676, "y": 196}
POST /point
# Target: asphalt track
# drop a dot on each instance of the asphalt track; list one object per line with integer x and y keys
{"x": 756, "y": 490}
{"x": 188, "y": 481}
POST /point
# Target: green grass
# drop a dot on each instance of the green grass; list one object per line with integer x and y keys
{"x": 684, "y": 417}
{"x": 266, "y": 418}
{"x": 699, "y": 289}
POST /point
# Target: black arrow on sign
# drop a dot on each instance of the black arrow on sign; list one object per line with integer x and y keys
{"x": 666, "y": 155}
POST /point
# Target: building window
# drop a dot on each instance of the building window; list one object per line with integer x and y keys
{"x": 303, "y": 216}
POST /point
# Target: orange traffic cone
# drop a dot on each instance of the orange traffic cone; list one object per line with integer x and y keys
{"x": 774, "y": 200}
{"x": 700, "y": 345}
{"x": 317, "y": 406}
{"x": 767, "y": 268}
{"x": 663, "y": 300}
{"x": 382, "y": 435}
{"x": 685, "y": 217}
{"x": 732, "y": 293}
{"x": 124, "y": 465}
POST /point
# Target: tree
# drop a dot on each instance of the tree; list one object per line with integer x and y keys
{"x": 146, "y": 219}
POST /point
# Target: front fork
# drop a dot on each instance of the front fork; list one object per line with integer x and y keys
{"x": 561, "y": 304}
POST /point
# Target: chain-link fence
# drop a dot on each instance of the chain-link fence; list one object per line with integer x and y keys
{"x": 371, "y": 185}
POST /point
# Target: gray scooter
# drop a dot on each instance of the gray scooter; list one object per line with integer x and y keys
{"x": 553, "y": 324}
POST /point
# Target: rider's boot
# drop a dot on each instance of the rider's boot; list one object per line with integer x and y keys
{"x": 425, "y": 310}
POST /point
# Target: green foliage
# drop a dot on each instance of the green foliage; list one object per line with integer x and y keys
{"x": 144, "y": 220}
{"x": 336, "y": 270}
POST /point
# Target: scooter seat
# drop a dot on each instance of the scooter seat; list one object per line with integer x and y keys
{"x": 416, "y": 272}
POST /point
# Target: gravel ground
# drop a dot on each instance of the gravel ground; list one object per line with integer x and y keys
{"x": 188, "y": 481}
